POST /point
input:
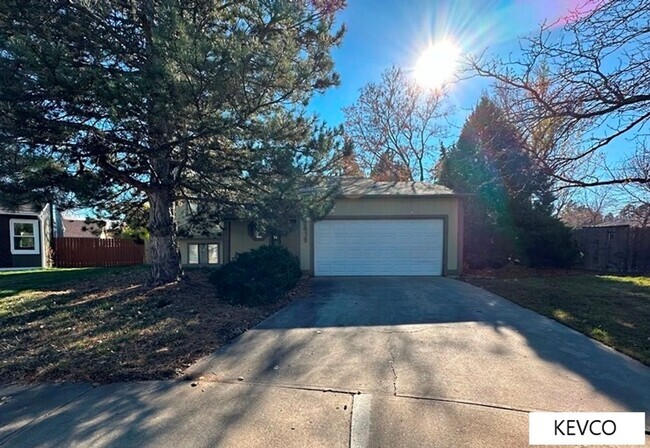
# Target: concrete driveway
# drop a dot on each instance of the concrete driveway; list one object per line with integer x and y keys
{"x": 400, "y": 362}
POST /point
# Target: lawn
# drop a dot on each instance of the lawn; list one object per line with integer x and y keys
{"x": 105, "y": 325}
{"x": 612, "y": 309}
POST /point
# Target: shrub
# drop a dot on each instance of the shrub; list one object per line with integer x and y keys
{"x": 548, "y": 243}
{"x": 526, "y": 235}
{"x": 260, "y": 276}
{"x": 487, "y": 246}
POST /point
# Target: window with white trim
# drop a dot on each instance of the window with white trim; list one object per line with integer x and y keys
{"x": 24, "y": 236}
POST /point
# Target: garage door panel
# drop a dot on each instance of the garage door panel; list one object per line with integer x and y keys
{"x": 378, "y": 247}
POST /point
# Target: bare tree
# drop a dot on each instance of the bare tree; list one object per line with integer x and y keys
{"x": 597, "y": 88}
{"x": 638, "y": 165}
{"x": 637, "y": 215}
{"x": 543, "y": 137}
{"x": 397, "y": 121}
{"x": 589, "y": 207}
{"x": 637, "y": 211}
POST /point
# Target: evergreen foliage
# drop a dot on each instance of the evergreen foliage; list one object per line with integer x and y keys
{"x": 508, "y": 212}
{"x": 120, "y": 103}
{"x": 257, "y": 277}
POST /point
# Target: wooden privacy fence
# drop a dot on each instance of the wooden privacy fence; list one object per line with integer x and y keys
{"x": 621, "y": 249}
{"x": 96, "y": 252}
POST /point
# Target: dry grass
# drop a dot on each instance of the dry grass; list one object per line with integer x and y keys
{"x": 105, "y": 325}
{"x": 612, "y": 309}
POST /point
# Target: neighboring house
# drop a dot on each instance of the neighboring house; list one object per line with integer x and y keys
{"x": 610, "y": 224}
{"x": 78, "y": 228}
{"x": 26, "y": 237}
{"x": 374, "y": 228}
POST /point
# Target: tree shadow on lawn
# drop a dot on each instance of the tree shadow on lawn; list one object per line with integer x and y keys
{"x": 112, "y": 328}
{"x": 14, "y": 282}
{"x": 612, "y": 309}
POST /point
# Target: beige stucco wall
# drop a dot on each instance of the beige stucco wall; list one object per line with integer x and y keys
{"x": 305, "y": 246}
{"x": 299, "y": 240}
{"x": 240, "y": 241}
{"x": 393, "y": 207}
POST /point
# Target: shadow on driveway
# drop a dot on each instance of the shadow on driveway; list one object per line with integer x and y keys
{"x": 433, "y": 337}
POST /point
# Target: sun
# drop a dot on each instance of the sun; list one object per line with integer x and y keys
{"x": 437, "y": 64}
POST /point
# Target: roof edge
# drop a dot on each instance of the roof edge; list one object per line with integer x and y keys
{"x": 380, "y": 195}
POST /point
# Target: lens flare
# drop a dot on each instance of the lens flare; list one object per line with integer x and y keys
{"x": 438, "y": 64}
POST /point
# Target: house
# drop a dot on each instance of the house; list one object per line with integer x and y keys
{"x": 374, "y": 228}
{"x": 79, "y": 228}
{"x": 26, "y": 236}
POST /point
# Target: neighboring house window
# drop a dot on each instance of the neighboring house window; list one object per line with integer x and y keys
{"x": 24, "y": 236}
{"x": 203, "y": 253}
{"x": 255, "y": 233}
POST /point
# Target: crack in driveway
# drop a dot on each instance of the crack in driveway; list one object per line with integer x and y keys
{"x": 392, "y": 363}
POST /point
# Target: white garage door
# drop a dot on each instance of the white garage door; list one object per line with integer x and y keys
{"x": 378, "y": 247}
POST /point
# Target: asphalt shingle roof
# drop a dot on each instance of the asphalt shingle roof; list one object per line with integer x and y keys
{"x": 357, "y": 186}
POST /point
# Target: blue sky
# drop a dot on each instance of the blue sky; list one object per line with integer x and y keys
{"x": 393, "y": 32}
{"x": 382, "y": 33}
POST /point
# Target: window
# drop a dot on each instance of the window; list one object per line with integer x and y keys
{"x": 193, "y": 254}
{"x": 213, "y": 253}
{"x": 203, "y": 253}
{"x": 24, "y": 236}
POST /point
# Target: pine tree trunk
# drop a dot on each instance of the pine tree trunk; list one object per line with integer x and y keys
{"x": 163, "y": 249}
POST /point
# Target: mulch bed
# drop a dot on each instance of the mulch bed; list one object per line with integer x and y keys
{"x": 112, "y": 327}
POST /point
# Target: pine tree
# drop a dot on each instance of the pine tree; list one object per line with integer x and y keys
{"x": 509, "y": 212}
{"x": 128, "y": 102}
{"x": 349, "y": 165}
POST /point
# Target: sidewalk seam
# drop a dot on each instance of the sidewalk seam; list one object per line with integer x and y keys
{"x": 467, "y": 403}
{"x": 360, "y": 421}
{"x": 395, "y": 394}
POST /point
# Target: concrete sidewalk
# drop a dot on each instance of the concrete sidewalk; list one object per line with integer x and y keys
{"x": 174, "y": 415}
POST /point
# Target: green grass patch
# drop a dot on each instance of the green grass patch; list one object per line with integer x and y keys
{"x": 13, "y": 282}
{"x": 612, "y": 309}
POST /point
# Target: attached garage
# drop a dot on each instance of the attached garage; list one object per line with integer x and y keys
{"x": 378, "y": 247}
{"x": 386, "y": 228}
{"x": 373, "y": 229}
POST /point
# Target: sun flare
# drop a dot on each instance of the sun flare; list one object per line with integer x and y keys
{"x": 437, "y": 64}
